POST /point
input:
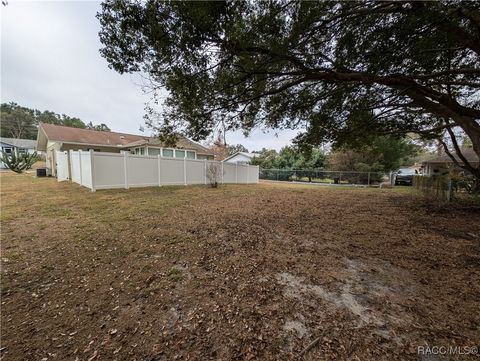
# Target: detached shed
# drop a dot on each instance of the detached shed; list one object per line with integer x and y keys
{"x": 241, "y": 158}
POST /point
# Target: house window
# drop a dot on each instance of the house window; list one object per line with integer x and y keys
{"x": 8, "y": 150}
{"x": 153, "y": 151}
{"x": 179, "y": 154}
{"x": 22, "y": 151}
{"x": 167, "y": 152}
{"x": 190, "y": 154}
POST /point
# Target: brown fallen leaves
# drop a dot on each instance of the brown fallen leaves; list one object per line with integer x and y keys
{"x": 234, "y": 273}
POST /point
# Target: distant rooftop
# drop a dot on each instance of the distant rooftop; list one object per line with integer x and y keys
{"x": 87, "y": 136}
{"x": 248, "y": 155}
{"x": 468, "y": 153}
{"x": 20, "y": 143}
{"x": 72, "y": 135}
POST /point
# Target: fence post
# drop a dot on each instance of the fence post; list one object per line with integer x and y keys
{"x": 80, "y": 166}
{"x": 92, "y": 168}
{"x": 70, "y": 164}
{"x": 222, "y": 170}
{"x": 205, "y": 171}
{"x": 236, "y": 173}
{"x": 125, "y": 162}
{"x": 185, "y": 171}
{"x": 159, "y": 164}
{"x": 449, "y": 190}
{"x": 369, "y": 179}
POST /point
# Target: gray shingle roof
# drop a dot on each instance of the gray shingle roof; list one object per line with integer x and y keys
{"x": 468, "y": 153}
{"x": 111, "y": 139}
{"x": 20, "y": 143}
{"x": 181, "y": 143}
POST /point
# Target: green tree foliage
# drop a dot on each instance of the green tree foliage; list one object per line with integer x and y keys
{"x": 17, "y": 122}
{"x": 293, "y": 158}
{"x": 322, "y": 65}
{"x": 466, "y": 142}
{"x": 102, "y": 127}
{"x": 382, "y": 154}
{"x": 266, "y": 158}
{"x": 290, "y": 158}
{"x": 18, "y": 162}
{"x": 235, "y": 148}
{"x": 21, "y": 122}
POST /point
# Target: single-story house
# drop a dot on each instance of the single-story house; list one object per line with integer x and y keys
{"x": 17, "y": 146}
{"x": 53, "y": 138}
{"x": 444, "y": 164}
{"x": 241, "y": 158}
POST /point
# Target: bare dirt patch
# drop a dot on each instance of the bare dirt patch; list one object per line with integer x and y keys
{"x": 235, "y": 273}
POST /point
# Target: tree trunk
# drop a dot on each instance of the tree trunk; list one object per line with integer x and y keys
{"x": 474, "y": 134}
{"x": 476, "y": 181}
{"x": 472, "y": 130}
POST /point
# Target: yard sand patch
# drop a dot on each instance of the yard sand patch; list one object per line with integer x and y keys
{"x": 236, "y": 273}
{"x": 362, "y": 290}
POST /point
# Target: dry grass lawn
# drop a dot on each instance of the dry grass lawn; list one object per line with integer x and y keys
{"x": 247, "y": 272}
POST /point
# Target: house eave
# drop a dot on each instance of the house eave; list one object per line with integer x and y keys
{"x": 118, "y": 146}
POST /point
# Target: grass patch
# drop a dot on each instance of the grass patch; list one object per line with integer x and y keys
{"x": 174, "y": 274}
{"x": 200, "y": 273}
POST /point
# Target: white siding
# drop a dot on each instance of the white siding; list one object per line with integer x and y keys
{"x": 239, "y": 158}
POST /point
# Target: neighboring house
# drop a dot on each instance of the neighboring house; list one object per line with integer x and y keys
{"x": 18, "y": 146}
{"x": 444, "y": 164}
{"x": 57, "y": 137}
{"x": 241, "y": 158}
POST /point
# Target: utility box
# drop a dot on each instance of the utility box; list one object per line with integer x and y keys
{"x": 41, "y": 172}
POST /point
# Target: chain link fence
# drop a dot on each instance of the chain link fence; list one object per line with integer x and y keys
{"x": 438, "y": 188}
{"x": 443, "y": 188}
{"x": 325, "y": 176}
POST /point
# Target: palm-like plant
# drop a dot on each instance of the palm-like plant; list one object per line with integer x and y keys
{"x": 18, "y": 162}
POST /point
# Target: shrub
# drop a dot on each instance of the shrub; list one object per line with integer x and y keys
{"x": 214, "y": 174}
{"x": 19, "y": 162}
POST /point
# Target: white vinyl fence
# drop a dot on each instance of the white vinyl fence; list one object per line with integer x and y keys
{"x": 61, "y": 158}
{"x": 99, "y": 170}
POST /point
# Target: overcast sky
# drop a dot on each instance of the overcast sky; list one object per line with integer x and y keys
{"x": 50, "y": 60}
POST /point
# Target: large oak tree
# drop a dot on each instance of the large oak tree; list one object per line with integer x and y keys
{"x": 341, "y": 70}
